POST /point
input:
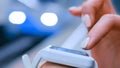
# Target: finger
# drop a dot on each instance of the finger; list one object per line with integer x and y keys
{"x": 54, "y": 65}
{"x": 90, "y": 8}
{"x": 101, "y": 29}
{"x": 76, "y": 11}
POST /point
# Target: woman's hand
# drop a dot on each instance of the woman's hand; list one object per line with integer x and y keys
{"x": 105, "y": 41}
{"x": 104, "y": 26}
{"x": 104, "y": 32}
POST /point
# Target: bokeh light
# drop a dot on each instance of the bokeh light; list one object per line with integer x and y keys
{"x": 49, "y": 19}
{"x": 17, "y": 17}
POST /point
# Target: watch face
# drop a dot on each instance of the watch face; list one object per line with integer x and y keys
{"x": 81, "y": 52}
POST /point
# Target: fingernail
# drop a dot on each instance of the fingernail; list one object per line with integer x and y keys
{"x": 72, "y": 8}
{"x": 86, "y": 19}
{"x": 85, "y": 43}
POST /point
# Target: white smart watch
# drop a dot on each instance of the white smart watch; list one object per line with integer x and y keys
{"x": 66, "y": 54}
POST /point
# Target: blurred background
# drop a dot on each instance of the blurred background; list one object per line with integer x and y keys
{"x": 28, "y": 24}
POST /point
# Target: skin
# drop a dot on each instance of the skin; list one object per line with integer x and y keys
{"x": 104, "y": 33}
{"x": 54, "y": 65}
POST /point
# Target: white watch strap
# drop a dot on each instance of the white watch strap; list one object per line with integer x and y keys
{"x": 28, "y": 64}
{"x": 36, "y": 60}
{"x": 26, "y": 61}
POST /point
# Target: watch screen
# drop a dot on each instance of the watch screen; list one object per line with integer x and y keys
{"x": 81, "y": 52}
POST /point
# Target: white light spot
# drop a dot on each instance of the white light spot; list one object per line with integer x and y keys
{"x": 17, "y": 17}
{"x": 49, "y": 19}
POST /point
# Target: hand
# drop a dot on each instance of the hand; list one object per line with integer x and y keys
{"x": 104, "y": 26}
{"x": 104, "y": 32}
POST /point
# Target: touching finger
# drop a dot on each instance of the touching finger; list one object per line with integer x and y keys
{"x": 102, "y": 28}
